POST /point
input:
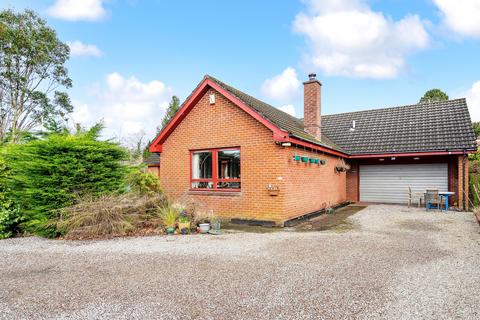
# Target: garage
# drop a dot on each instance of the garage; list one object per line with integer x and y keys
{"x": 389, "y": 183}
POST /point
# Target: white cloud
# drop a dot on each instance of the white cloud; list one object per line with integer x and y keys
{"x": 289, "y": 108}
{"x": 126, "y": 105}
{"x": 461, "y": 16}
{"x": 77, "y": 48}
{"x": 82, "y": 113}
{"x": 347, "y": 38}
{"x": 283, "y": 87}
{"x": 473, "y": 101}
{"x": 74, "y": 10}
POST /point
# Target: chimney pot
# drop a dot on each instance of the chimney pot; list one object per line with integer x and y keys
{"x": 312, "y": 76}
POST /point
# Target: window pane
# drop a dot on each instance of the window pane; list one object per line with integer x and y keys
{"x": 202, "y": 165}
{"x": 202, "y": 185}
{"x": 228, "y": 185}
{"x": 229, "y": 164}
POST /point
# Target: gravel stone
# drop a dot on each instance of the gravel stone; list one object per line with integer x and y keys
{"x": 396, "y": 263}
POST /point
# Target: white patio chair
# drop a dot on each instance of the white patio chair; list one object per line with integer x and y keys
{"x": 413, "y": 196}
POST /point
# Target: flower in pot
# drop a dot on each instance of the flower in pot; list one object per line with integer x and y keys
{"x": 169, "y": 217}
{"x": 184, "y": 222}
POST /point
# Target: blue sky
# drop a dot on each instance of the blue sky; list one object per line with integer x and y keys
{"x": 130, "y": 56}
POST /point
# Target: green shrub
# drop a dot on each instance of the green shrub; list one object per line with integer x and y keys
{"x": 49, "y": 174}
{"x": 474, "y": 175}
{"x": 5, "y": 202}
{"x": 10, "y": 220}
{"x": 10, "y": 217}
{"x": 475, "y": 183}
{"x": 145, "y": 183}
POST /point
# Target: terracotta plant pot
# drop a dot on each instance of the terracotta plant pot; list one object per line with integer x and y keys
{"x": 204, "y": 227}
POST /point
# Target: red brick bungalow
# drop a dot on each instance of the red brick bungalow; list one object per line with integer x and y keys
{"x": 248, "y": 160}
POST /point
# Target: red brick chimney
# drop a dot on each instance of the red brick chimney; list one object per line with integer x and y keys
{"x": 312, "y": 107}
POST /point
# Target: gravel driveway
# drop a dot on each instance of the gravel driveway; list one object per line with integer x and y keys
{"x": 396, "y": 263}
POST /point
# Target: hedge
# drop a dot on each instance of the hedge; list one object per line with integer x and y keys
{"x": 46, "y": 175}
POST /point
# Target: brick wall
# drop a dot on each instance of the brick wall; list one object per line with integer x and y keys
{"x": 353, "y": 182}
{"x": 311, "y": 187}
{"x": 312, "y": 107}
{"x": 462, "y": 192}
{"x": 154, "y": 170}
{"x": 303, "y": 188}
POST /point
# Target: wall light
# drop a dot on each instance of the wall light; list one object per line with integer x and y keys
{"x": 416, "y": 158}
{"x": 381, "y": 159}
{"x": 286, "y": 144}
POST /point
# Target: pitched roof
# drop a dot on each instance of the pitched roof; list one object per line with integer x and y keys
{"x": 279, "y": 118}
{"x": 425, "y": 127}
{"x": 153, "y": 158}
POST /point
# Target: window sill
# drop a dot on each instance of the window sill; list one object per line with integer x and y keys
{"x": 215, "y": 193}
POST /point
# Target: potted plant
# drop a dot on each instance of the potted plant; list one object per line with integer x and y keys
{"x": 296, "y": 157}
{"x": 204, "y": 226}
{"x": 323, "y": 162}
{"x": 184, "y": 222}
{"x": 342, "y": 166}
{"x": 169, "y": 218}
{"x": 215, "y": 223}
{"x": 304, "y": 159}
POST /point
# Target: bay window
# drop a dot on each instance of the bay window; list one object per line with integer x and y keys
{"x": 216, "y": 169}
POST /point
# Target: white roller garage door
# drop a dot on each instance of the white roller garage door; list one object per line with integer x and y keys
{"x": 388, "y": 183}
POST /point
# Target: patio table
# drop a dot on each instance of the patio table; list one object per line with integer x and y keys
{"x": 445, "y": 194}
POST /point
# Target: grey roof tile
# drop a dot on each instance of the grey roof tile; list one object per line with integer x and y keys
{"x": 279, "y": 118}
{"x": 426, "y": 127}
{"x": 434, "y": 126}
{"x": 153, "y": 158}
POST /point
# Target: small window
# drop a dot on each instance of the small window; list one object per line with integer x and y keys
{"x": 224, "y": 175}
